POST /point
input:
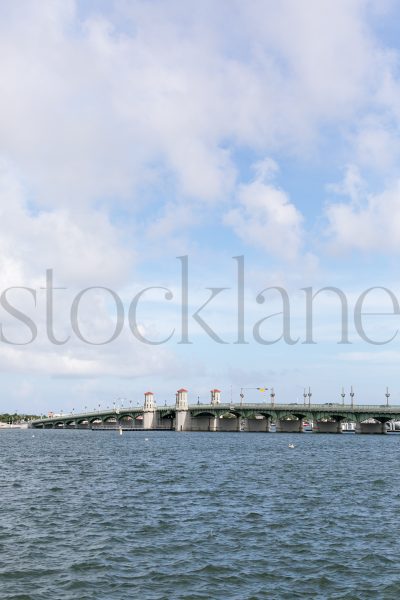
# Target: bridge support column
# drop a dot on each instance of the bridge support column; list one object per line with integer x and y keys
{"x": 327, "y": 427}
{"x": 213, "y": 423}
{"x": 149, "y": 420}
{"x": 225, "y": 424}
{"x": 149, "y": 411}
{"x": 371, "y": 428}
{"x": 289, "y": 426}
{"x": 182, "y": 420}
{"x": 182, "y": 414}
{"x": 254, "y": 425}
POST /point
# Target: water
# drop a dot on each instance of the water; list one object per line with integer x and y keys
{"x": 95, "y": 515}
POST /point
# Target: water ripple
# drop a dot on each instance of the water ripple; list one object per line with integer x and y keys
{"x": 94, "y": 515}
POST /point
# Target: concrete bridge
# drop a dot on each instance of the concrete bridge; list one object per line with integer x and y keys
{"x": 217, "y": 416}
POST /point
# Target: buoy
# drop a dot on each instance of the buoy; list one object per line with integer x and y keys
{"x": 291, "y": 445}
{"x": 146, "y": 439}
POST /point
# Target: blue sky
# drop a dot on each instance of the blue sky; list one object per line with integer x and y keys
{"x": 132, "y": 133}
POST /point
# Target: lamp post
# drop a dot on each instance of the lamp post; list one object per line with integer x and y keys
{"x": 343, "y": 396}
{"x": 352, "y": 397}
{"x": 305, "y": 396}
{"x": 272, "y": 394}
{"x": 387, "y": 397}
{"x": 309, "y": 397}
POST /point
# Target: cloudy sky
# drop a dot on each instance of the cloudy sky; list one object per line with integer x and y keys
{"x": 136, "y": 132}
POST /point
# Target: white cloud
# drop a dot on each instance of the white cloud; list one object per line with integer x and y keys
{"x": 152, "y": 105}
{"x": 174, "y": 87}
{"x": 82, "y": 247}
{"x": 377, "y": 145}
{"x": 368, "y": 222}
{"x": 266, "y": 218}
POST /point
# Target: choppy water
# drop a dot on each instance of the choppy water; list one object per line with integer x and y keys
{"x": 96, "y": 515}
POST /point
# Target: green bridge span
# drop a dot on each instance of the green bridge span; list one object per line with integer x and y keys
{"x": 231, "y": 417}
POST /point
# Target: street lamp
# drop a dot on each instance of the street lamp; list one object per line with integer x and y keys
{"x": 352, "y": 396}
{"x": 343, "y": 396}
{"x": 272, "y": 394}
{"x": 305, "y": 396}
{"x": 387, "y": 397}
{"x": 309, "y": 397}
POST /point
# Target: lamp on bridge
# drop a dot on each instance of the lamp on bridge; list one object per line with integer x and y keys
{"x": 272, "y": 397}
{"x": 305, "y": 396}
{"x": 343, "y": 396}
{"x": 352, "y": 396}
{"x": 387, "y": 396}
{"x": 309, "y": 396}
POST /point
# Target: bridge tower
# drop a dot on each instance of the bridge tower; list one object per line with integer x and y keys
{"x": 215, "y": 397}
{"x": 182, "y": 415}
{"x": 149, "y": 411}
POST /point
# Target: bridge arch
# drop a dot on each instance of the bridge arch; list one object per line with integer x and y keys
{"x": 230, "y": 414}
{"x": 203, "y": 413}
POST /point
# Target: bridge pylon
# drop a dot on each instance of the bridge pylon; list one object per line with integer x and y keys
{"x": 182, "y": 418}
{"x": 149, "y": 411}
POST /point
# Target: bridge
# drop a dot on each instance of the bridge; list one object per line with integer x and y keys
{"x": 217, "y": 416}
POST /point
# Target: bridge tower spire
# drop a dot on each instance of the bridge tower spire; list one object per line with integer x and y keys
{"x": 215, "y": 397}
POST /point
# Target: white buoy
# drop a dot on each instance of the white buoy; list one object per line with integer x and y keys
{"x": 146, "y": 439}
{"x": 291, "y": 445}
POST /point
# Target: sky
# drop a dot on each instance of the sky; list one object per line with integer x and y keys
{"x": 146, "y": 144}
